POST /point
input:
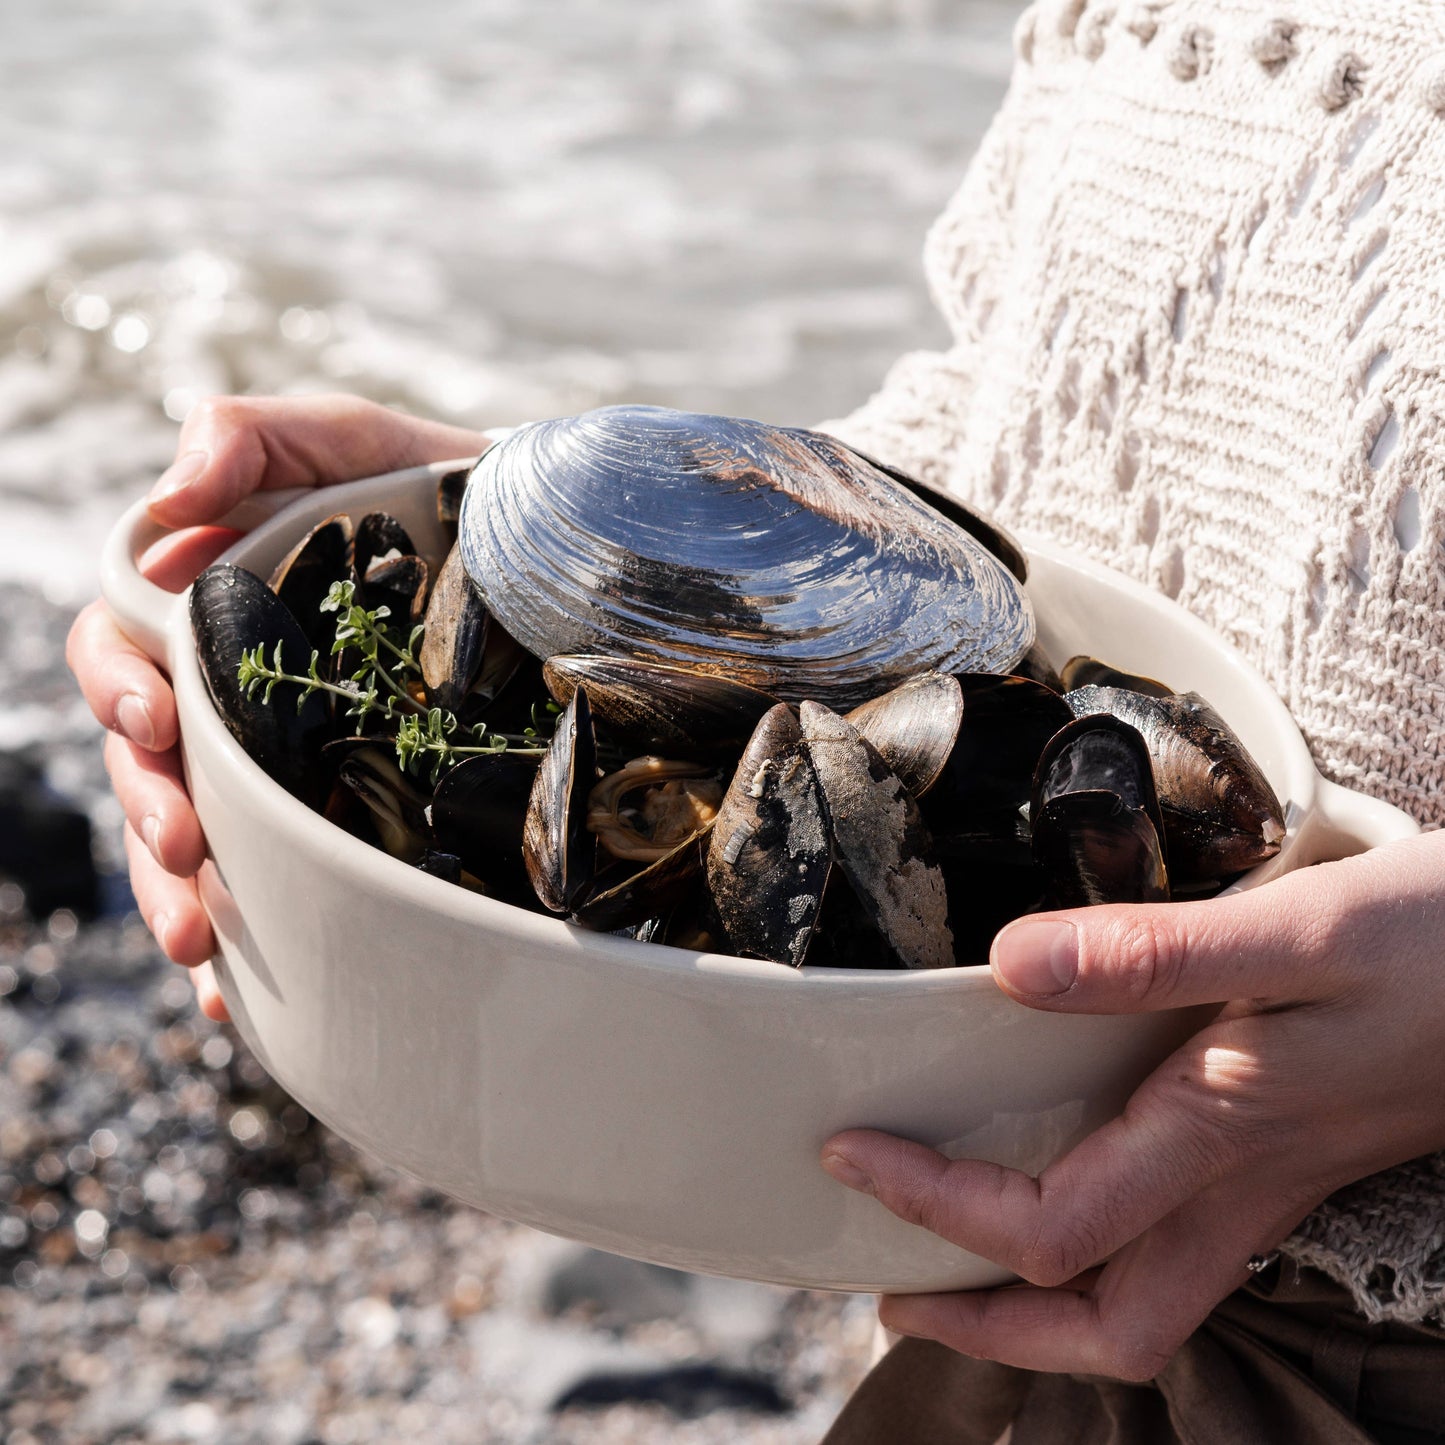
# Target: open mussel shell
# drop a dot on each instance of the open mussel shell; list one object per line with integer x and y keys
{"x": 396, "y": 805}
{"x": 478, "y": 812}
{"x": 1221, "y": 816}
{"x": 965, "y": 745}
{"x": 770, "y": 555}
{"x": 769, "y": 857}
{"x": 399, "y": 584}
{"x": 1097, "y": 833}
{"x": 650, "y": 707}
{"x": 233, "y": 612}
{"x": 379, "y": 536}
{"x": 651, "y": 819}
{"x": 304, "y": 577}
{"x": 621, "y": 896}
{"x": 880, "y": 839}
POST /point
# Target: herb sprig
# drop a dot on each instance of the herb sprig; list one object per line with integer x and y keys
{"x": 377, "y": 688}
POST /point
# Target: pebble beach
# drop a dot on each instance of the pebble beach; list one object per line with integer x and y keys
{"x": 483, "y": 214}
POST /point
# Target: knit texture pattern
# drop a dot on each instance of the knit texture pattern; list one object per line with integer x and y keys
{"x": 1195, "y": 280}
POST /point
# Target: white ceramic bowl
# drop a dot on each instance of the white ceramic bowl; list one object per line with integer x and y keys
{"x": 659, "y": 1103}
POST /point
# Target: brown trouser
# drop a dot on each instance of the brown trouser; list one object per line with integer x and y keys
{"x": 1287, "y": 1362}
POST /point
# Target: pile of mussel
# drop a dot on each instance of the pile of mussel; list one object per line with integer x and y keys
{"x": 797, "y": 709}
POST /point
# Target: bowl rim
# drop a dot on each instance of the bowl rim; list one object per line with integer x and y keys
{"x": 332, "y": 848}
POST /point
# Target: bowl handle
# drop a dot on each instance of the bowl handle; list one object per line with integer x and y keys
{"x": 142, "y": 609}
{"x": 1350, "y": 822}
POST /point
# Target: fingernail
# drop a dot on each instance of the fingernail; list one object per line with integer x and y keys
{"x": 133, "y": 718}
{"x": 185, "y": 471}
{"x": 160, "y": 926}
{"x": 845, "y": 1171}
{"x": 1039, "y": 958}
{"x": 150, "y": 830}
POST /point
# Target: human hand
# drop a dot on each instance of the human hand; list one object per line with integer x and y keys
{"x": 1326, "y": 1064}
{"x": 229, "y": 448}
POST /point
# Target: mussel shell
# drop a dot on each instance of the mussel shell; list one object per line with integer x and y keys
{"x": 988, "y": 863}
{"x": 559, "y": 853}
{"x": 914, "y": 726}
{"x": 233, "y": 612}
{"x": 1097, "y": 833}
{"x": 998, "y": 541}
{"x": 450, "y": 487}
{"x": 1035, "y": 665}
{"x": 396, "y": 805}
{"x": 478, "y": 812}
{"x": 1220, "y": 814}
{"x": 377, "y": 534}
{"x": 881, "y": 840}
{"x": 623, "y": 894}
{"x": 455, "y": 642}
{"x": 774, "y": 556}
{"x": 1007, "y": 722}
{"x": 1083, "y": 671}
{"x": 769, "y": 858}
{"x": 304, "y": 577}
{"x": 400, "y": 584}
{"x": 649, "y": 707}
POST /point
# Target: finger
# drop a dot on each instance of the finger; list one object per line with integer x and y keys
{"x": 208, "y": 994}
{"x": 1126, "y": 1321}
{"x": 179, "y": 557}
{"x": 233, "y": 446}
{"x": 124, "y": 688}
{"x": 1276, "y": 943}
{"x": 170, "y": 906}
{"x": 1203, "y": 1116}
{"x": 153, "y": 794}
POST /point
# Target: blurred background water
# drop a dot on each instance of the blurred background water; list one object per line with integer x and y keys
{"x": 483, "y": 212}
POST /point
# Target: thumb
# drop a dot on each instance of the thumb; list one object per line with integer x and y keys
{"x": 231, "y": 446}
{"x": 1302, "y": 936}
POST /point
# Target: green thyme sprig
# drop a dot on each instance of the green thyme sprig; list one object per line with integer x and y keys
{"x": 373, "y": 689}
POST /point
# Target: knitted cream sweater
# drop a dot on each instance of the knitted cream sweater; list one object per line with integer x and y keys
{"x": 1196, "y": 283}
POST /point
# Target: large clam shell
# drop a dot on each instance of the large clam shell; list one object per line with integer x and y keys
{"x": 773, "y": 555}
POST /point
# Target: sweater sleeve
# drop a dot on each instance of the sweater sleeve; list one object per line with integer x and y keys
{"x": 1193, "y": 284}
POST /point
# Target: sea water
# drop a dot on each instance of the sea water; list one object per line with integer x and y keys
{"x": 482, "y": 212}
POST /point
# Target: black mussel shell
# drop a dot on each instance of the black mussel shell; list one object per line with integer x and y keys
{"x": 399, "y": 584}
{"x": 379, "y": 534}
{"x": 768, "y": 860}
{"x": 880, "y": 838}
{"x": 914, "y": 726}
{"x": 992, "y": 876}
{"x": 232, "y": 612}
{"x": 478, "y": 812}
{"x": 455, "y": 644}
{"x": 450, "y": 487}
{"x": 304, "y": 577}
{"x": 651, "y": 707}
{"x": 1221, "y": 816}
{"x": 560, "y": 854}
{"x": 1035, "y": 665}
{"x": 397, "y": 806}
{"x": 623, "y": 894}
{"x": 1094, "y": 818}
